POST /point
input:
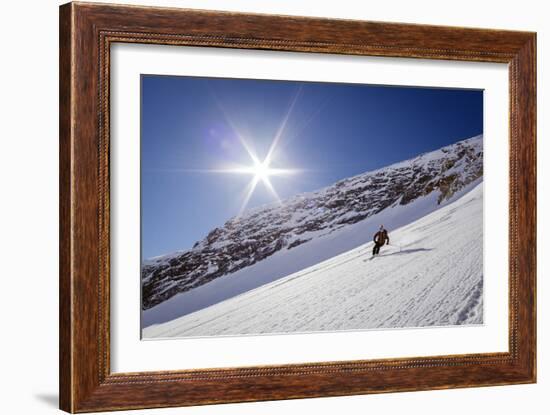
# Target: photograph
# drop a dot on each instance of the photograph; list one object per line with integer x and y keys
{"x": 280, "y": 207}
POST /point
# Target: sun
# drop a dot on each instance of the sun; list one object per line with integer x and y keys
{"x": 261, "y": 171}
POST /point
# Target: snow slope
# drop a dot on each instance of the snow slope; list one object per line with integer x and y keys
{"x": 289, "y": 261}
{"x": 434, "y": 278}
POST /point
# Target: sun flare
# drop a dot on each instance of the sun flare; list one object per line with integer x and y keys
{"x": 261, "y": 171}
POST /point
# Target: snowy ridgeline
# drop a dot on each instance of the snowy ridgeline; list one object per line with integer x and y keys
{"x": 273, "y": 241}
{"x": 431, "y": 275}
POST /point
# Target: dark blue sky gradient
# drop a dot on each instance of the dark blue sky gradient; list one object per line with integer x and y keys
{"x": 334, "y": 131}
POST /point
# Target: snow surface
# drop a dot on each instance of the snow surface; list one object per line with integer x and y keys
{"x": 323, "y": 244}
{"x": 431, "y": 275}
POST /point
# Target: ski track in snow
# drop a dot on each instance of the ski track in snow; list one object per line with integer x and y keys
{"x": 435, "y": 279}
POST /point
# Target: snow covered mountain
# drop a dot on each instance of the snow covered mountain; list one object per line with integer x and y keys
{"x": 274, "y": 241}
{"x": 433, "y": 278}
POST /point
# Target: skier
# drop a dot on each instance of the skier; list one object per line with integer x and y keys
{"x": 380, "y": 238}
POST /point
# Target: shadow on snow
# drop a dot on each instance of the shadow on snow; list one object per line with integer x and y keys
{"x": 404, "y": 251}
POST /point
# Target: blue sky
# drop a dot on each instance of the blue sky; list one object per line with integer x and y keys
{"x": 191, "y": 126}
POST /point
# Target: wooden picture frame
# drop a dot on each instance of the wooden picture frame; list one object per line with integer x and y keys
{"x": 86, "y": 33}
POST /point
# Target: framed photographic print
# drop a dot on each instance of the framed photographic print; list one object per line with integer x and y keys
{"x": 260, "y": 207}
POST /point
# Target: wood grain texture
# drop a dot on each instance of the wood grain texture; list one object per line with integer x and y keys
{"x": 65, "y": 248}
{"x": 86, "y": 33}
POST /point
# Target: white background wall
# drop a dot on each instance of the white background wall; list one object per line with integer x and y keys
{"x": 29, "y": 208}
